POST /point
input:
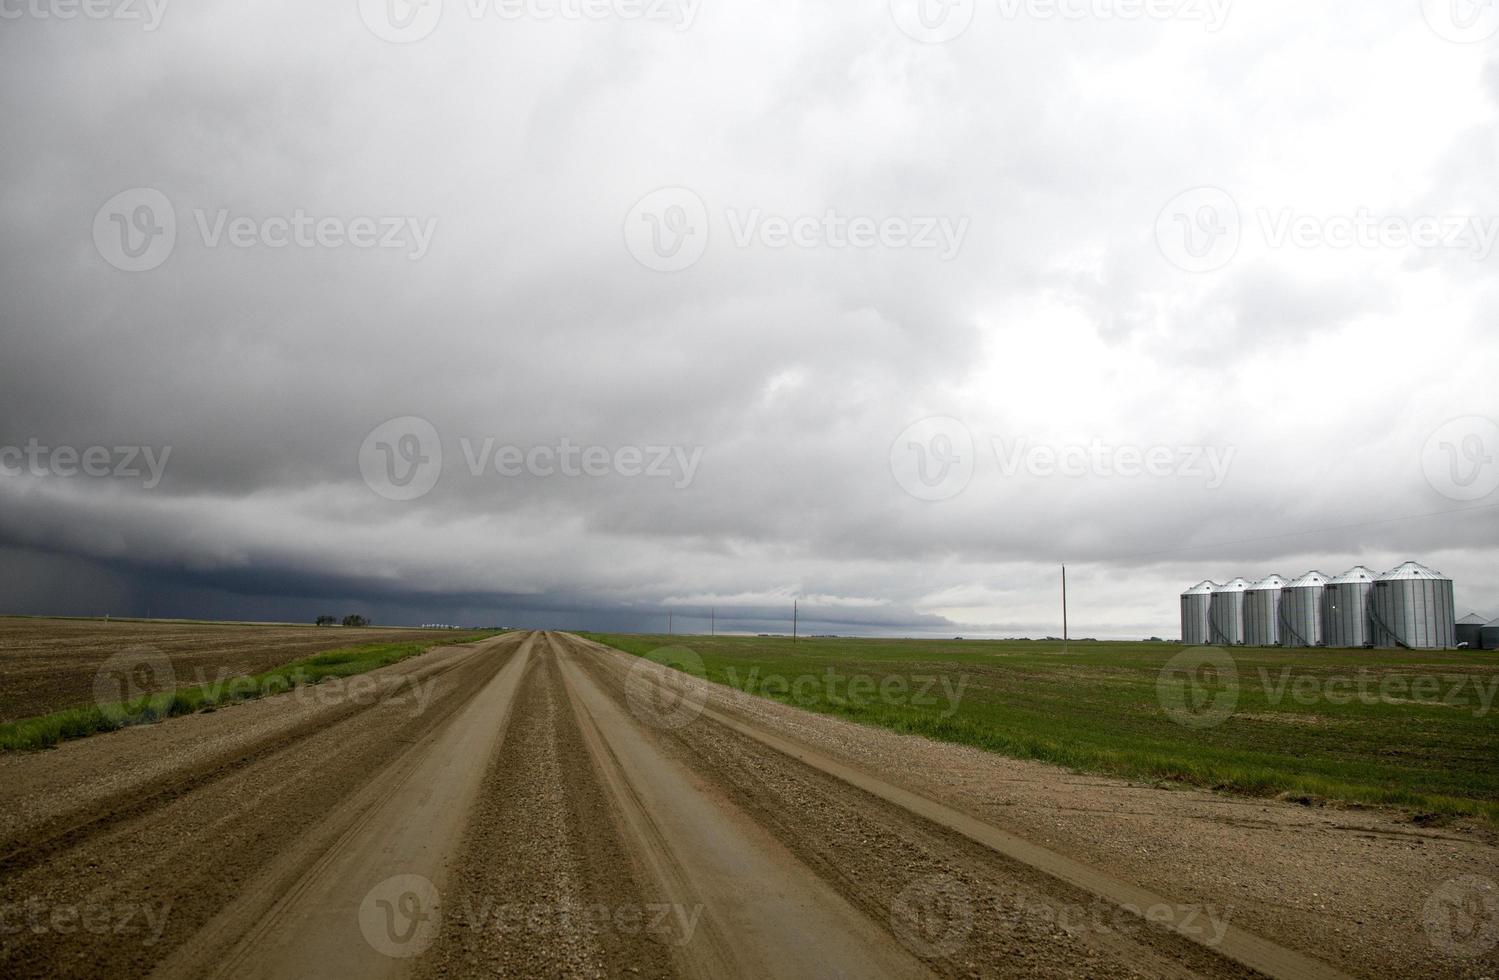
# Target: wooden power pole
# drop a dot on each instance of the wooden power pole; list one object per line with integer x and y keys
{"x": 1064, "y": 608}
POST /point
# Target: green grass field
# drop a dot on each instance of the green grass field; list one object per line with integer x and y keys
{"x": 1354, "y": 726}
{"x": 48, "y": 730}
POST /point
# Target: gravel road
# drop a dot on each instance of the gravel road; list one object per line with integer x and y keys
{"x": 537, "y": 805}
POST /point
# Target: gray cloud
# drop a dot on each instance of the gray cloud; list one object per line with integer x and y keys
{"x": 1059, "y": 323}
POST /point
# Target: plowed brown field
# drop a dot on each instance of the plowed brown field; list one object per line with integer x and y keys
{"x": 49, "y": 665}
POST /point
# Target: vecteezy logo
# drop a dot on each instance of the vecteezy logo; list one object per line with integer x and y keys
{"x": 136, "y": 230}
{"x": 127, "y": 677}
{"x": 932, "y": 917}
{"x": 401, "y": 21}
{"x": 1199, "y": 687}
{"x": 1462, "y": 21}
{"x": 933, "y": 459}
{"x": 666, "y": 688}
{"x": 400, "y": 917}
{"x": 667, "y": 230}
{"x": 1461, "y": 459}
{"x": 1462, "y": 917}
{"x": 932, "y": 21}
{"x": 1199, "y": 230}
{"x": 402, "y": 459}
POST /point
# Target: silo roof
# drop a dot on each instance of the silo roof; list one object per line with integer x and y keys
{"x": 1410, "y": 570}
{"x": 1233, "y": 585}
{"x": 1473, "y": 619}
{"x": 1270, "y": 582}
{"x": 1201, "y": 588}
{"x": 1358, "y": 573}
{"x": 1309, "y": 579}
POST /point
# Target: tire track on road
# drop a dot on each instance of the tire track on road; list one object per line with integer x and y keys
{"x": 765, "y": 914}
{"x": 343, "y": 914}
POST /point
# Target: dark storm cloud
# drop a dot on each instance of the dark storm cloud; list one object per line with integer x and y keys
{"x": 1058, "y": 325}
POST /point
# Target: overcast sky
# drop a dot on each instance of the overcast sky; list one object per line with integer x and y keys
{"x": 573, "y": 315}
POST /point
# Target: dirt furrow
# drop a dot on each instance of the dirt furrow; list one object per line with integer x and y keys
{"x": 371, "y": 900}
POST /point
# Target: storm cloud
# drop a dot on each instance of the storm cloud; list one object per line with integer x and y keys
{"x": 714, "y": 306}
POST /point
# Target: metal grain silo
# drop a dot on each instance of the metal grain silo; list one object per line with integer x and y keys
{"x": 1346, "y": 604}
{"x": 1226, "y": 613}
{"x": 1469, "y": 630}
{"x": 1301, "y": 614}
{"x": 1196, "y": 625}
{"x": 1488, "y": 637}
{"x": 1413, "y": 609}
{"x": 1262, "y": 612}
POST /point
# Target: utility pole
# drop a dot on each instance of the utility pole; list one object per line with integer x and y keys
{"x": 1064, "y": 608}
{"x": 713, "y": 621}
{"x": 793, "y": 620}
{"x": 668, "y": 624}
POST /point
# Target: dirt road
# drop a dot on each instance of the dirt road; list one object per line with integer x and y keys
{"x": 536, "y": 805}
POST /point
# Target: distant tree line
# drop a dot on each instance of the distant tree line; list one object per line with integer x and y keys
{"x": 346, "y": 621}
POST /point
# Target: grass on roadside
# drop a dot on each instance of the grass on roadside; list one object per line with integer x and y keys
{"x": 1294, "y": 731}
{"x": 48, "y": 730}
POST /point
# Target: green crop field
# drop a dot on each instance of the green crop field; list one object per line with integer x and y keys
{"x": 1414, "y": 729}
